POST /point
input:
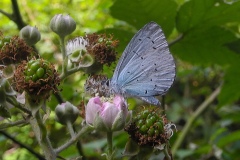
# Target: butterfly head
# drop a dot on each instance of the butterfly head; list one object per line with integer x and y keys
{"x": 97, "y": 85}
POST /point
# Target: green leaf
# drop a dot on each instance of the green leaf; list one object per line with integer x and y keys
{"x": 138, "y": 13}
{"x": 228, "y": 139}
{"x": 206, "y": 46}
{"x": 205, "y": 13}
{"x": 230, "y": 90}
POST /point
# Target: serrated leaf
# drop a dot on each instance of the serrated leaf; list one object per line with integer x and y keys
{"x": 140, "y": 12}
{"x": 206, "y": 46}
{"x": 206, "y": 13}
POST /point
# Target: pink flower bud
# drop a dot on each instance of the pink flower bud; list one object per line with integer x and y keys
{"x": 110, "y": 115}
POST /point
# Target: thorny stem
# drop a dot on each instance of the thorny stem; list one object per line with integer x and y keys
{"x": 194, "y": 116}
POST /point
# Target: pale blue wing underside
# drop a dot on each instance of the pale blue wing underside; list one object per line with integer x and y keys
{"x": 146, "y": 68}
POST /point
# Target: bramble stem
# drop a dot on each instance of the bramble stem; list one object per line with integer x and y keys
{"x": 42, "y": 136}
{"x": 83, "y": 131}
{"x": 193, "y": 117}
{"x": 70, "y": 129}
{"x": 110, "y": 146}
{"x": 64, "y": 57}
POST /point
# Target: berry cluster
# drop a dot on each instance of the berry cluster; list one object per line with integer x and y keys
{"x": 149, "y": 123}
{"x": 147, "y": 128}
{"x": 37, "y": 77}
{"x": 37, "y": 70}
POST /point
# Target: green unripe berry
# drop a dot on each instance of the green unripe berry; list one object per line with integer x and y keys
{"x": 35, "y": 66}
{"x": 144, "y": 114}
{"x": 40, "y": 72}
{"x": 151, "y": 131}
{"x": 34, "y": 77}
{"x": 149, "y": 122}
{"x": 159, "y": 126}
{"x": 143, "y": 129}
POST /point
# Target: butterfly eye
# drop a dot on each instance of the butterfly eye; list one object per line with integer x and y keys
{"x": 105, "y": 82}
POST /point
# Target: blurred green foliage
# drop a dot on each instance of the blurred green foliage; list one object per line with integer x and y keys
{"x": 204, "y": 39}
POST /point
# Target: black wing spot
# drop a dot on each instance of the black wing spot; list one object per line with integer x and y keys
{"x": 155, "y": 64}
{"x": 128, "y": 72}
{"x": 141, "y": 57}
{"x": 155, "y": 69}
{"x": 146, "y": 91}
{"x": 151, "y": 80}
{"x": 149, "y": 37}
{"x": 140, "y": 39}
{"x": 134, "y": 51}
{"x": 137, "y": 80}
{"x": 153, "y": 42}
{"x": 154, "y": 48}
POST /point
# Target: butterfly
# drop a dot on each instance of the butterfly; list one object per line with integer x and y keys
{"x": 146, "y": 68}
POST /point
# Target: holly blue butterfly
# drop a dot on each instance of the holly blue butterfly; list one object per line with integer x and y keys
{"x": 146, "y": 68}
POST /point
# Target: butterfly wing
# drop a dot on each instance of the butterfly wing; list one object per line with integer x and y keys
{"x": 146, "y": 68}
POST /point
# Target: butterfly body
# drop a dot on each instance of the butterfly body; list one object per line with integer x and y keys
{"x": 146, "y": 68}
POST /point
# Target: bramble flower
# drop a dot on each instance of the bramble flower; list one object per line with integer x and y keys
{"x": 92, "y": 51}
{"x": 107, "y": 114}
{"x": 77, "y": 53}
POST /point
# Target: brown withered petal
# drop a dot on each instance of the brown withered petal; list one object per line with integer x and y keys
{"x": 102, "y": 47}
{"x": 15, "y": 51}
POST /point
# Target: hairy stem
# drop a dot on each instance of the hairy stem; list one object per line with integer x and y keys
{"x": 70, "y": 129}
{"x": 110, "y": 145}
{"x": 83, "y": 131}
{"x": 64, "y": 57}
{"x": 193, "y": 117}
{"x": 42, "y": 136}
